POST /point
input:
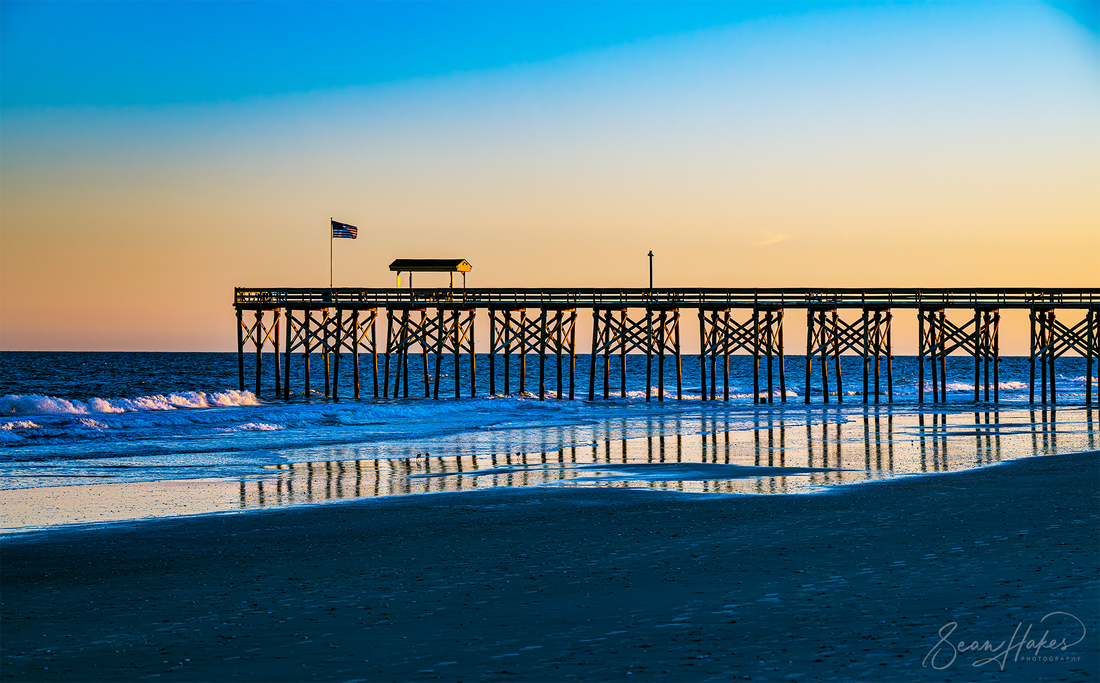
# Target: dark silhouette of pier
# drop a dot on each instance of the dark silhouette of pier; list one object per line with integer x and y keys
{"x": 542, "y": 322}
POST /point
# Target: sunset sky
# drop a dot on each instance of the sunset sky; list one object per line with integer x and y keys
{"x": 155, "y": 155}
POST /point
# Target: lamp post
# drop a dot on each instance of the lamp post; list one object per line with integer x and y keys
{"x": 651, "y": 269}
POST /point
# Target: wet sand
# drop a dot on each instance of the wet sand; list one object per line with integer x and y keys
{"x": 589, "y": 584}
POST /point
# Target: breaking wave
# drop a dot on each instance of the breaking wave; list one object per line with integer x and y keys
{"x": 254, "y": 427}
{"x": 34, "y": 404}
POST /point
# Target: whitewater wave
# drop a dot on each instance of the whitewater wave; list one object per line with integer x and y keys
{"x": 35, "y": 404}
{"x": 968, "y": 387}
{"x": 254, "y": 427}
{"x": 19, "y": 424}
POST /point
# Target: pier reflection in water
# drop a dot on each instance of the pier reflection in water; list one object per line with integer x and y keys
{"x": 770, "y": 452}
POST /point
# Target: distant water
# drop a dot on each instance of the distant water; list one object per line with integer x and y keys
{"x": 91, "y": 418}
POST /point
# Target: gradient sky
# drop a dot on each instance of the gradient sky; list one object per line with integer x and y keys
{"x": 155, "y": 155}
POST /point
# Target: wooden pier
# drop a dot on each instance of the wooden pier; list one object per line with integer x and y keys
{"x": 542, "y": 322}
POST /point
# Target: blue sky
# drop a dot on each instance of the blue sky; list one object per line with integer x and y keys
{"x": 154, "y": 53}
{"x": 156, "y": 155}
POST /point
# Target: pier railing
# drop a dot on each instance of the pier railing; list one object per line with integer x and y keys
{"x": 685, "y": 297}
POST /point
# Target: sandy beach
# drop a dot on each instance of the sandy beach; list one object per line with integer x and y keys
{"x": 861, "y": 583}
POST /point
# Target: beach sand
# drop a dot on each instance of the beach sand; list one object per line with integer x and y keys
{"x": 586, "y": 584}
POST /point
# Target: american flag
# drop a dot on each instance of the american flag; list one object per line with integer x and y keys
{"x": 344, "y": 230}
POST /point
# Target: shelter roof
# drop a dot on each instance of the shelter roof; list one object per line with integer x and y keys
{"x": 431, "y": 265}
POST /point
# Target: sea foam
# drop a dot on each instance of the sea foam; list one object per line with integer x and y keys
{"x": 35, "y": 404}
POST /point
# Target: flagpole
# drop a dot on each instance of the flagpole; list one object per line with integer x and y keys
{"x": 330, "y": 252}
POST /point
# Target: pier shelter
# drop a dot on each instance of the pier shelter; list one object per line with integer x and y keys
{"x": 430, "y": 265}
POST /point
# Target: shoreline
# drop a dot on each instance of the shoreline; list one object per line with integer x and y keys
{"x": 771, "y": 454}
{"x": 137, "y": 491}
{"x": 574, "y": 583}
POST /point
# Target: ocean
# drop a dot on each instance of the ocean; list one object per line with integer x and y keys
{"x": 101, "y": 437}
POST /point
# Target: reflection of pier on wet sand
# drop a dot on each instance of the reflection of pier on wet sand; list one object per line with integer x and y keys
{"x": 777, "y": 454}
{"x": 763, "y": 451}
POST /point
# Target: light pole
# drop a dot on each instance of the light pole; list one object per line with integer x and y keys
{"x": 651, "y": 269}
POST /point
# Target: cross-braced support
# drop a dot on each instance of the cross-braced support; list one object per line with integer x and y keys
{"x": 456, "y": 334}
{"x": 938, "y": 337}
{"x": 1051, "y": 338}
{"x": 987, "y": 353}
{"x": 259, "y": 333}
{"x": 875, "y": 347}
{"x": 355, "y": 330}
{"x": 309, "y": 330}
{"x": 406, "y": 329}
{"x": 869, "y": 337}
{"x": 821, "y": 338}
{"x": 615, "y": 333}
{"x": 760, "y": 335}
{"x": 413, "y": 329}
{"x": 551, "y": 331}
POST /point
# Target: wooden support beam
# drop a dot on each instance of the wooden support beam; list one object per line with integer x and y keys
{"x": 890, "y": 360}
{"x": 492, "y": 352}
{"x": 703, "y": 354}
{"x": 781, "y": 350}
{"x": 866, "y": 357}
{"x": 558, "y": 349}
{"x": 824, "y": 335}
{"x": 356, "y": 332}
{"x": 507, "y": 353}
{"x": 809, "y": 351}
{"x": 1090, "y": 321}
{"x": 935, "y": 355}
{"x": 287, "y": 354}
{"x": 424, "y": 346}
{"x": 726, "y": 356}
{"x": 258, "y": 338}
{"x": 978, "y": 355}
{"x": 988, "y": 333}
{"x": 338, "y": 334}
{"x": 240, "y": 349}
{"x": 472, "y": 348}
{"x": 572, "y": 350}
{"x": 920, "y": 356}
{"x": 542, "y": 355}
{"x": 1034, "y": 349}
{"x": 325, "y": 350}
{"x": 275, "y": 348}
{"x": 607, "y": 355}
{"x": 307, "y": 342}
{"x": 943, "y": 357}
{"x": 457, "y": 354}
{"x": 524, "y": 347}
{"x": 997, "y": 357}
{"x": 1051, "y": 355}
{"x": 389, "y": 351}
{"x": 679, "y": 364}
{"x": 1044, "y": 343}
{"x": 648, "y": 355}
{"x": 622, "y": 353}
{"x": 592, "y": 354}
{"x": 756, "y": 355}
{"x": 661, "y": 357}
{"x": 403, "y": 369}
{"x": 878, "y": 353}
{"x": 769, "y": 333}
